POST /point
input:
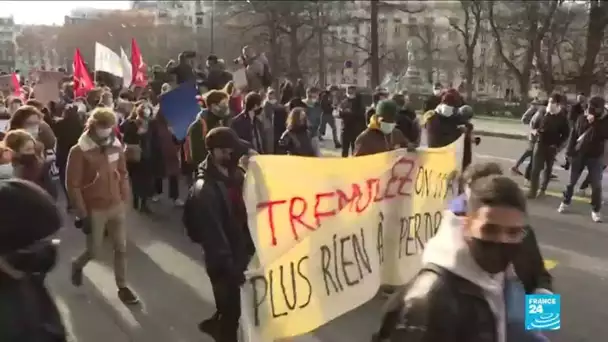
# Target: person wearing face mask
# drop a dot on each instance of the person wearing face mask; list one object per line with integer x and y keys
{"x": 27, "y": 160}
{"x": 585, "y": 149}
{"x": 444, "y": 124}
{"x": 296, "y": 139}
{"x": 271, "y": 111}
{"x": 214, "y": 115}
{"x": 68, "y": 130}
{"x": 249, "y": 126}
{"x": 137, "y": 137}
{"x": 406, "y": 120}
{"x": 458, "y": 295}
{"x": 28, "y": 253}
{"x": 379, "y": 95}
{"x": 551, "y": 130}
{"x": 327, "y": 100}
{"x": 98, "y": 188}
{"x": 216, "y": 219}
{"x": 352, "y": 112}
{"x": 314, "y": 112}
{"x": 434, "y": 100}
{"x": 6, "y": 166}
{"x": 381, "y": 135}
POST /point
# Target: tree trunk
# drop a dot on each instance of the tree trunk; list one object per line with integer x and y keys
{"x": 374, "y": 48}
{"x": 469, "y": 73}
{"x": 524, "y": 86}
{"x": 595, "y": 36}
{"x": 294, "y": 55}
{"x": 275, "y": 49}
{"x": 321, "y": 42}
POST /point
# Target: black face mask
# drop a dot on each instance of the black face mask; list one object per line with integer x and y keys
{"x": 492, "y": 257}
{"x": 39, "y": 259}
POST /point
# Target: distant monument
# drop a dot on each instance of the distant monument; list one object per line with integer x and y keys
{"x": 412, "y": 79}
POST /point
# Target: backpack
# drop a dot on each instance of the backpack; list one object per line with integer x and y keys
{"x": 190, "y": 206}
{"x": 266, "y": 76}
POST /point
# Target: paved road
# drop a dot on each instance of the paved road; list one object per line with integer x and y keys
{"x": 165, "y": 271}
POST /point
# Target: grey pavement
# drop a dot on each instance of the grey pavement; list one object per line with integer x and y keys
{"x": 166, "y": 272}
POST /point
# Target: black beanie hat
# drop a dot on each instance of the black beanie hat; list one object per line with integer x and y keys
{"x": 27, "y": 214}
{"x": 221, "y": 137}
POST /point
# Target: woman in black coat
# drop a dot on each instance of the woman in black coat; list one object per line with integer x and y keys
{"x": 136, "y": 136}
{"x": 68, "y": 130}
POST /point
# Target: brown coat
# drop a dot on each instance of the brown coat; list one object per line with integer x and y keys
{"x": 372, "y": 141}
{"x": 96, "y": 179}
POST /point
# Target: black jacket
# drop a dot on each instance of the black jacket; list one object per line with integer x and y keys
{"x": 212, "y": 221}
{"x": 441, "y": 306}
{"x": 576, "y": 111}
{"x": 183, "y": 73}
{"x": 352, "y": 113}
{"x": 27, "y": 312}
{"x": 431, "y": 103}
{"x": 443, "y": 130}
{"x": 67, "y": 130}
{"x": 553, "y": 129}
{"x": 217, "y": 79}
{"x": 243, "y": 126}
{"x": 296, "y": 142}
{"x": 408, "y": 125}
{"x": 591, "y": 145}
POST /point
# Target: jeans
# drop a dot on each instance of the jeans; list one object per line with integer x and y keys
{"x": 542, "y": 158}
{"x": 527, "y": 154}
{"x": 594, "y": 167}
{"x": 328, "y": 119}
{"x": 587, "y": 181}
{"x": 173, "y": 187}
{"x": 111, "y": 220}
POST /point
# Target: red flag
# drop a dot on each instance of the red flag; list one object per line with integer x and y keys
{"x": 15, "y": 83}
{"x": 140, "y": 77}
{"x": 82, "y": 80}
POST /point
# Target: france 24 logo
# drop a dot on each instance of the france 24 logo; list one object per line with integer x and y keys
{"x": 543, "y": 312}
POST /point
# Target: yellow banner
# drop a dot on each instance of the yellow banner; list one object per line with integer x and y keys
{"x": 330, "y": 231}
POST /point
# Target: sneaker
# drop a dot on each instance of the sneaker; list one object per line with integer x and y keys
{"x": 178, "y": 203}
{"x": 127, "y": 296}
{"x": 596, "y": 216}
{"x": 337, "y": 145}
{"x": 76, "y": 276}
{"x": 563, "y": 207}
{"x": 516, "y": 171}
{"x": 155, "y": 198}
{"x": 210, "y": 327}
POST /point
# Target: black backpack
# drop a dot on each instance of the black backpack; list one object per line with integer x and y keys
{"x": 190, "y": 206}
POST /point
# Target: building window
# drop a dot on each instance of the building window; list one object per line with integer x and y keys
{"x": 397, "y": 27}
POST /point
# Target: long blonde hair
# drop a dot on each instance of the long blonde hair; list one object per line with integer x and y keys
{"x": 296, "y": 118}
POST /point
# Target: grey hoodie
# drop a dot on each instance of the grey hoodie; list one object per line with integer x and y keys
{"x": 449, "y": 250}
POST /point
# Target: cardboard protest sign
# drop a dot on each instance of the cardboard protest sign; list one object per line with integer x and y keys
{"x": 47, "y": 86}
{"x": 180, "y": 108}
{"x": 327, "y": 242}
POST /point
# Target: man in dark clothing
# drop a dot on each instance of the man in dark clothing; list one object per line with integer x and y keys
{"x": 585, "y": 150}
{"x": 458, "y": 294}
{"x": 434, "y": 100}
{"x": 183, "y": 71}
{"x": 328, "y": 103}
{"x": 217, "y": 76}
{"x": 577, "y": 109}
{"x": 248, "y": 124}
{"x": 352, "y": 113}
{"x": 215, "y": 217}
{"x": 406, "y": 119}
{"x": 551, "y": 131}
{"x": 444, "y": 124}
{"x": 380, "y": 94}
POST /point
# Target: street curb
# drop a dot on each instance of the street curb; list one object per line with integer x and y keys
{"x": 513, "y": 136}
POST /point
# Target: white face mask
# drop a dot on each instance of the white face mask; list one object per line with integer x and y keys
{"x": 387, "y": 127}
{"x": 147, "y": 112}
{"x": 553, "y": 108}
{"x": 82, "y": 108}
{"x": 103, "y": 132}
{"x": 33, "y": 130}
{"x": 445, "y": 110}
{"x": 350, "y": 95}
{"x": 436, "y": 92}
{"x": 273, "y": 101}
{"x": 6, "y": 171}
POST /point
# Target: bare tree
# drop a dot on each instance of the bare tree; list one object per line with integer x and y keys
{"x": 430, "y": 38}
{"x": 470, "y": 29}
{"x": 526, "y": 25}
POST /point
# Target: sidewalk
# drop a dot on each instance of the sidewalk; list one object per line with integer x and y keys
{"x": 500, "y": 128}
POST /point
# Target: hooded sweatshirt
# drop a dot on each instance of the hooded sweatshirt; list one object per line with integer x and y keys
{"x": 449, "y": 250}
